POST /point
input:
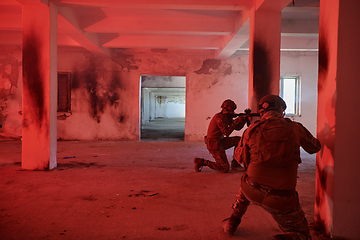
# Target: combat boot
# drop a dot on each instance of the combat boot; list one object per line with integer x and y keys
{"x": 230, "y": 225}
{"x": 236, "y": 166}
{"x": 290, "y": 236}
{"x": 198, "y": 164}
{"x": 280, "y": 237}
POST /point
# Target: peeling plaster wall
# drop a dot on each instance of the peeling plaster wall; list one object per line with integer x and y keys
{"x": 10, "y": 91}
{"x": 208, "y": 87}
{"x": 105, "y": 92}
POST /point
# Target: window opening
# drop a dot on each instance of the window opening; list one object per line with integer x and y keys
{"x": 64, "y": 97}
{"x": 289, "y": 91}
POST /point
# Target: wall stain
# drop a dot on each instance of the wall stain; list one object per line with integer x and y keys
{"x": 261, "y": 70}
{"x": 121, "y": 118}
{"x": 101, "y": 92}
{"x": 33, "y": 80}
{"x": 208, "y": 64}
{"x": 228, "y": 70}
{"x": 319, "y": 225}
{"x": 9, "y": 74}
{"x": 113, "y": 96}
{"x": 127, "y": 61}
{"x": 76, "y": 80}
{"x": 323, "y": 60}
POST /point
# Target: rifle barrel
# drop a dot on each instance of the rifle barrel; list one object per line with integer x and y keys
{"x": 245, "y": 114}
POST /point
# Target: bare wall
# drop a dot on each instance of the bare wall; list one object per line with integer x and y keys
{"x": 304, "y": 65}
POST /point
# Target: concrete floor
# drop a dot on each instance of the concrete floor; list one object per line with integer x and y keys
{"x": 130, "y": 190}
{"x": 163, "y": 129}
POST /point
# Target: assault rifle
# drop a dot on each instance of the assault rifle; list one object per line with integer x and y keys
{"x": 247, "y": 113}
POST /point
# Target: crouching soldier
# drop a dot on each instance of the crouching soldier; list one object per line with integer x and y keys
{"x": 270, "y": 152}
{"x": 217, "y": 139}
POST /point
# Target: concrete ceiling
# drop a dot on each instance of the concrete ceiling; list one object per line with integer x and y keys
{"x": 220, "y": 26}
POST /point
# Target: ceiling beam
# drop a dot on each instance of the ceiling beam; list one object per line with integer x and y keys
{"x": 241, "y": 35}
{"x": 86, "y": 40}
{"x": 10, "y": 17}
{"x": 164, "y": 4}
{"x": 134, "y": 25}
{"x": 271, "y": 5}
{"x": 179, "y": 42}
{"x": 70, "y": 25}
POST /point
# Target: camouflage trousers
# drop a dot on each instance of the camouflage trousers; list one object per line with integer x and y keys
{"x": 285, "y": 210}
{"x": 217, "y": 149}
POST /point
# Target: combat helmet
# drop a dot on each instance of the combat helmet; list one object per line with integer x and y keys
{"x": 228, "y": 103}
{"x": 271, "y": 102}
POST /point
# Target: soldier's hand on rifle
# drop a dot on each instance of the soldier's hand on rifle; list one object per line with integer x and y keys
{"x": 240, "y": 119}
{"x": 249, "y": 118}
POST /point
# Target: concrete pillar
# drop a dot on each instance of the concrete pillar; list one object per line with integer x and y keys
{"x": 264, "y": 49}
{"x": 39, "y": 100}
{"x": 337, "y": 208}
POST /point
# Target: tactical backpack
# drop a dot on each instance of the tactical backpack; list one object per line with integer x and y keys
{"x": 274, "y": 144}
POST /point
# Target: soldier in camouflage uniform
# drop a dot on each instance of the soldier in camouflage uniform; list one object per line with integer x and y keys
{"x": 270, "y": 151}
{"x": 222, "y": 124}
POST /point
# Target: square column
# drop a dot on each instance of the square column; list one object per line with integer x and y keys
{"x": 264, "y": 49}
{"x": 39, "y": 100}
{"x": 337, "y": 207}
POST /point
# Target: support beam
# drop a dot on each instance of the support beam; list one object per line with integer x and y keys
{"x": 264, "y": 49}
{"x": 189, "y": 42}
{"x": 39, "y": 101}
{"x": 71, "y": 27}
{"x": 178, "y": 24}
{"x": 165, "y": 4}
{"x": 241, "y": 36}
{"x": 337, "y": 207}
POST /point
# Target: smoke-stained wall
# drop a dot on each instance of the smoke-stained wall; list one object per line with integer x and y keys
{"x": 105, "y": 93}
{"x": 102, "y": 99}
{"x": 103, "y": 112}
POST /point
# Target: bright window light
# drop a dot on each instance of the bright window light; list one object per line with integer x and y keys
{"x": 289, "y": 91}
